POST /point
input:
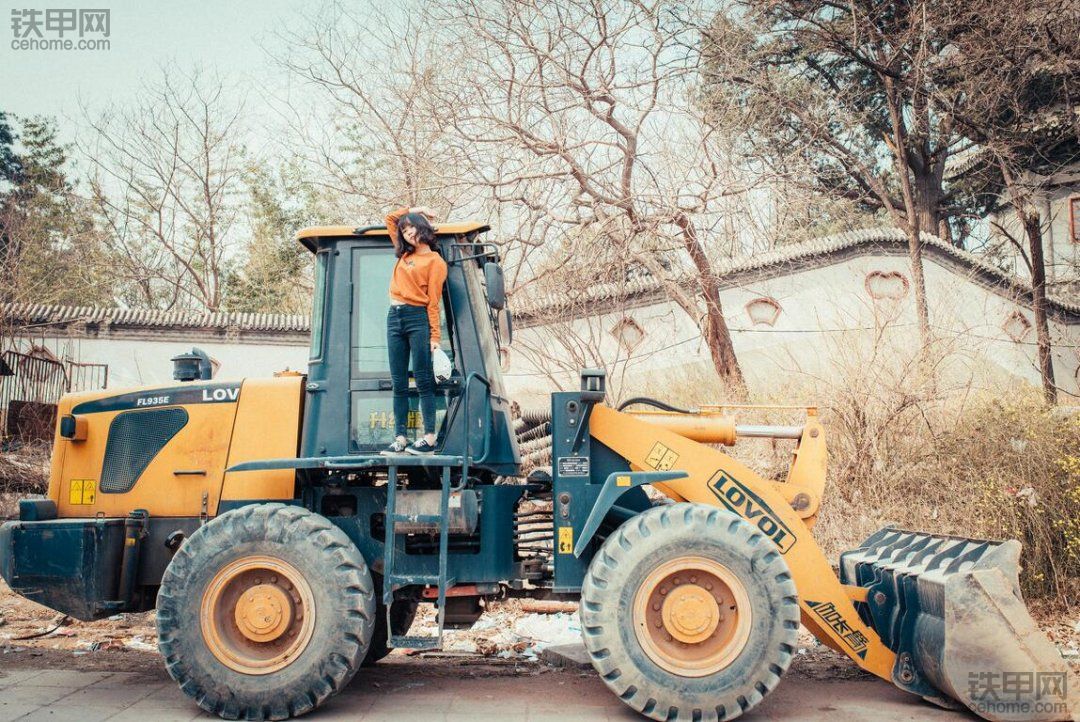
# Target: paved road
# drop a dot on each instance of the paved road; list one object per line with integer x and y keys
{"x": 411, "y": 689}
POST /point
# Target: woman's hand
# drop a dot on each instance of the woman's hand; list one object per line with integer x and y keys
{"x": 424, "y": 211}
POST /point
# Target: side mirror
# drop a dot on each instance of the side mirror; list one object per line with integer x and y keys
{"x": 496, "y": 290}
{"x": 73, "y": 428}
{"x": 506, "y": 327}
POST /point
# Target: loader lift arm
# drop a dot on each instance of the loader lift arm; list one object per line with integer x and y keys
{"x": 715, "y": 479}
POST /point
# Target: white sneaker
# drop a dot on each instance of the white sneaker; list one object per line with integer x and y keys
{"x": 397, "y": 446}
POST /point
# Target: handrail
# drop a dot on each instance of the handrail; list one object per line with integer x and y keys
{"x": 488, "y": 250}
{"x": 486, "y": 426}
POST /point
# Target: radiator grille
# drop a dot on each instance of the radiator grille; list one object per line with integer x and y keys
{"x": 135, "y": 438}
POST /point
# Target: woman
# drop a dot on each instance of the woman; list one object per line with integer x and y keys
{"x": 412, "y": 324}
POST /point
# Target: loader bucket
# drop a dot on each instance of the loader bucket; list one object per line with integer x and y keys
{"x": 951, "y": 610}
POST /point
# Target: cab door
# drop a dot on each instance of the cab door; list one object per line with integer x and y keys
{"x": 371, "y": 415}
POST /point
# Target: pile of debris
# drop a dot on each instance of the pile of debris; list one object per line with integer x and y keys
{"x": 508, "y": 629}
{"x": 26, "y": 627}
{"x": 512, "y": 630}
{"x": 533, "y": 430}
{"x": 519, "y": 629}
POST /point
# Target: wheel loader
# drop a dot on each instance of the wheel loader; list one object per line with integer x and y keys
{"x": 282, "y": 552}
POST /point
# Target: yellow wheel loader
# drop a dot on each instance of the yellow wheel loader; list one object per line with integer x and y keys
{"x": 282, "y": 552}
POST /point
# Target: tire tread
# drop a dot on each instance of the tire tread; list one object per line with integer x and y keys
{"x": 601, "y": 631}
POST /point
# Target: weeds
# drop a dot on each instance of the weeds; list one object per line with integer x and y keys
{"x": 24, "y": 471}
{"x": 912, "y": 450}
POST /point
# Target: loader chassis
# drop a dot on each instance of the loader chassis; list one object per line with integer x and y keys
{"x": 249, "y": 506}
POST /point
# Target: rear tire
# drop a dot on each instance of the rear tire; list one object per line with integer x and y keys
{"x": 656, "y": 636}
{"x": 265, "y": 612}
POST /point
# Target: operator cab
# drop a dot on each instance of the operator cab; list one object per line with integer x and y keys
{"x": 348, "y": 348}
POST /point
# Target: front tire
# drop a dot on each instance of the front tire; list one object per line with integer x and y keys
{"x": 689, "y": 612}
{"x": 265, "y": 612}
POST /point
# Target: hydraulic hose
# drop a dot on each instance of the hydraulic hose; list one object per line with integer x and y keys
{"x": 652, "y": 402}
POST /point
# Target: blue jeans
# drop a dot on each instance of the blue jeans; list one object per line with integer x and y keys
{"x": 408, "y": 333}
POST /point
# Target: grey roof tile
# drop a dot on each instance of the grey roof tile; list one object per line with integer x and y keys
{"x": 533, "y": 304}
{"x": 43, "y": 315}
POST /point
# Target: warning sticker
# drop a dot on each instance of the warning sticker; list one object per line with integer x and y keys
{"x": 566, "y": 540}
{"x": 81, "y": 492}
{"x": 661, "y": 457}
{"x": 622, "y": 480}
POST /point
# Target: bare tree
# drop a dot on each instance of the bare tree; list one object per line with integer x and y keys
{"x": 580, "y": 120}
{"x": 165, "y": 182}
{"x": 376, "y": 141}
{"x": 576, "y": 315}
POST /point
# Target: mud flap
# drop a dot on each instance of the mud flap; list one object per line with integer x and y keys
{"x": 951, "y": 610}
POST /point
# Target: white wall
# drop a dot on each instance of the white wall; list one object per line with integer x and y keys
{"x": 136, "y": 362}
{"x": 1062, "y": 254}
{"x": 829, "y": 325}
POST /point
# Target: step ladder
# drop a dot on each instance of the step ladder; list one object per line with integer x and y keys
{"x": 395, "y": 546}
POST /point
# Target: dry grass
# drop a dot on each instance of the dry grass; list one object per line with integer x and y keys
{"x": 906, "y": 449}
{"x": 24, "y": 471}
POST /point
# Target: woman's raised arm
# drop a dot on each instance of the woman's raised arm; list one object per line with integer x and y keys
{"x": 392, "y": 219}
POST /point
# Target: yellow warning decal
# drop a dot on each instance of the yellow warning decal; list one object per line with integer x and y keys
{"x": 81, "y": 492}
{"x": 566, "y": 540}
{"x": 661, "y": 457}
{"x": 622, "y": 481}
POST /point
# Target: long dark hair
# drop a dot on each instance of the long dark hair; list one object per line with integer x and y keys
{"x": 424, "y": 231}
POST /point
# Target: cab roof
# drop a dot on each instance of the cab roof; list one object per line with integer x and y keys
{"x": 308, "y": 236}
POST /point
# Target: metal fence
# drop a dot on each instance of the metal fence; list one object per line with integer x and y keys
{"x": 87, "y": 377}
{"x": 29, "y": 394}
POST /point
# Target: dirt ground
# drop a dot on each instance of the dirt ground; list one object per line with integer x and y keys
{"x": 507, "y": 636}
{"x": 63, "y": 670}
{"x": 448, "y": 690}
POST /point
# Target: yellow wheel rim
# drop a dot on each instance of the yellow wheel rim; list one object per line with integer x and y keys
{"x": 257, "y": 615}
{"x": 692, "y": 616}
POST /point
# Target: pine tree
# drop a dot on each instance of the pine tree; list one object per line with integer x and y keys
{"x": 48, "y": 247}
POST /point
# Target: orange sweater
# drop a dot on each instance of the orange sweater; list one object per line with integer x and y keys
{"x": 418, "y": 277}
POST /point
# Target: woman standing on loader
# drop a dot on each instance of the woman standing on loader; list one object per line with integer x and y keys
{"x": 412, "y": 323}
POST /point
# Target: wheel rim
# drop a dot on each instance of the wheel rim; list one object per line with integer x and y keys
{"x": 257, "y": 614}
{"x": 692, "y": 616}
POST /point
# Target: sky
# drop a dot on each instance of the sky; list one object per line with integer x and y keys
{"x": 227, "y": 36}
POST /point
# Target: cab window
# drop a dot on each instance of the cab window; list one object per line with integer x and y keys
{"x": 318, "y": 306}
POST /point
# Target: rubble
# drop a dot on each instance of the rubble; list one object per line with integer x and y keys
{"x": 30, "y": 627}
{"x": 507, "y": 631}
{"x": 567, "y": 656}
